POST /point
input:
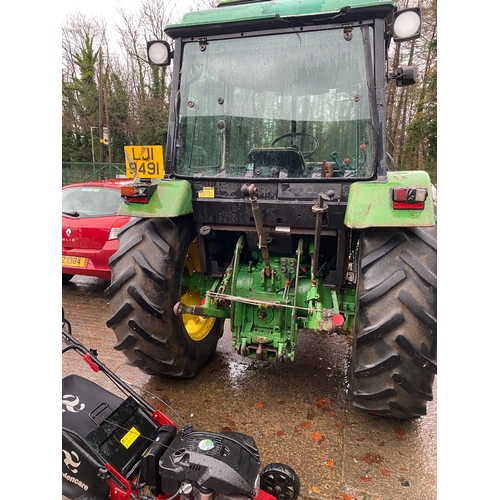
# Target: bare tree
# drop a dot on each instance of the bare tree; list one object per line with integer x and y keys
{"x": 404, "y": 103}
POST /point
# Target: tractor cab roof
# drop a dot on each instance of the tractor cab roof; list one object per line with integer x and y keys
{"x": 250, "y": 15}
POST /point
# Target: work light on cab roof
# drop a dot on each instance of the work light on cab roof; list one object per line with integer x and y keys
{"x": 407, "y": 24}
{"x": 159, "y": 53}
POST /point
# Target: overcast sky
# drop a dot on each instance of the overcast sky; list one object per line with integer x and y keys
{"x": 106, "y": 8}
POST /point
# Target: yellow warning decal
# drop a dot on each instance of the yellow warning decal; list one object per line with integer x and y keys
{"x": 206, "y": 192}
{"x": 130, "y": 437}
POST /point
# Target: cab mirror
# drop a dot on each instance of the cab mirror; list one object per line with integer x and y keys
{"x": 405, "y": 75}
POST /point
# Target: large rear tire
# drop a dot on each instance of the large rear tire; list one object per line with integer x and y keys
{"x": 393, "y": 361}
{"x": 146, "y": 282}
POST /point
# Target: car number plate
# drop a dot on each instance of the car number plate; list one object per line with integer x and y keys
{"x": 70, "y": 261}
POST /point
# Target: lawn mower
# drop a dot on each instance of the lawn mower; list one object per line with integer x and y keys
{"x": 117, "y": 448}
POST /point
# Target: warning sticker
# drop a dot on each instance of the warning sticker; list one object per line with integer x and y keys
{"x": 130, "y": 437}
{"x": 206, "y": 192}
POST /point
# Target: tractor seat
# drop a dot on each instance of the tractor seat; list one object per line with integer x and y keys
{"x": 276, "y": 162}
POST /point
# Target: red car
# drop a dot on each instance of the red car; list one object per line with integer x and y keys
{"x": 90, "y": 226}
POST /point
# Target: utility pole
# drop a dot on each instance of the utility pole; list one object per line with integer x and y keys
{"x": 101, "y": 111}
{"x": 92, "y": 139}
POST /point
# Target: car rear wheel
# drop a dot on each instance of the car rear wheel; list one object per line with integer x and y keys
{"x": 393, "y": 361}
{"x": 146, "y": 282}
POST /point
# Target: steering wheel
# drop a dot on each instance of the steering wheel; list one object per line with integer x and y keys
{"x": 305, "y": 154}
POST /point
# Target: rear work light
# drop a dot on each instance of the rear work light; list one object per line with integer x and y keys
{"x": 409, "y": 198}
{"x": 137, "y": 193}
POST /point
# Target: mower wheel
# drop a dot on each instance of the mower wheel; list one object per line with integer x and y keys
{"x": 281, "y": 481}
{"x": 147, "y": 274}
{"x": 393, "y": 362}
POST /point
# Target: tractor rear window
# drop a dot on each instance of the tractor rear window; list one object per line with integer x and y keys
{"x": 287, "y": 106}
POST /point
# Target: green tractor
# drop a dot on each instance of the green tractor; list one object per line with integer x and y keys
{"x": 275, "y": 208}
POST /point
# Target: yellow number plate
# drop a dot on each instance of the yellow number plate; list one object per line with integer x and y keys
{"x": 144, "y": 161}
{"x": 69, "y": 261}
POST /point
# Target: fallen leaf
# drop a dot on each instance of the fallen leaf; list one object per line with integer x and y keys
{"x": 338, "y": 424}
{"x": 259, "y": 404}
{"x": 345, "y": 496}
{"x": 317, "y": 437}
{"x": 230, "y": 423}
{"x": 400, "y": 432}
{"x": 385, "y": 472}
{"x": 315, "y": 489}
{"x": 330, "y": 463}
{"x": 306, "y": 425}
{"x": 365, "y": 479}
{"x": 280, "y": 433}
{"x": 371, "y": 458}
{"x": 322, "y": 402}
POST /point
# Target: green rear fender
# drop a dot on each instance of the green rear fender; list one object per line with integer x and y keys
{"x": 370, "y": 203}
{"x": 170, "y": 199}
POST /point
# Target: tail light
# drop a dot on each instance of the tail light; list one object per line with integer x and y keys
{"x": 113, "y": 234}
{"x": 137, "y": 193}
{"x": 118, "y": 224}
{"x": 409, "y": 198}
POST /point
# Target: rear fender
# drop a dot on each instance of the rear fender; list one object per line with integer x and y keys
{"x": 370, "y": 203}
{"x": 170, "y": 199}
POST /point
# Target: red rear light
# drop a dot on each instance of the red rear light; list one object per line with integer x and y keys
{"x": 409, "y": 198}
{"x": 338, "y": 319}
{"x": 137, "y": 193}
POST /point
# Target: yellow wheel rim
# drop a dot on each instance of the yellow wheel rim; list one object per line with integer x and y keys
{"x": 197, "y": 327}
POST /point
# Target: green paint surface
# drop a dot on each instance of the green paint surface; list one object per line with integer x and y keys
{"x": 370, "y": 203}
{"x": 171, "y": 199}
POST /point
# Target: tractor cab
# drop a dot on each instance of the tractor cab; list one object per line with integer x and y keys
{"x": 296, "y": 91}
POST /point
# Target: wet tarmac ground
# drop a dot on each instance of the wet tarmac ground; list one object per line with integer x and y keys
{"x": 298, "y": 413}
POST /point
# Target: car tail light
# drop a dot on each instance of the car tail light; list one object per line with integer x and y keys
{"x": 409, "y": 198}
{"x": 117, "y": 225}
{"x": 113, "y": 234}
{"x": 137, "y": 193}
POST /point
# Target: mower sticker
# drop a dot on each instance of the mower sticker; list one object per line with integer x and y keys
{"x": 130, "y": 437}
{"x": 71, "y": 461}
{"x": 72, "y": 406}
{"x": 206, "y": 444}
